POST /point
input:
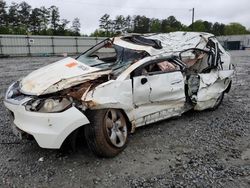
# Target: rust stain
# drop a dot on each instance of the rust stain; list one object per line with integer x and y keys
{"x": 133, "y": 126}
{"x": 79, "y": 91}
{"x": 90, "y": 104}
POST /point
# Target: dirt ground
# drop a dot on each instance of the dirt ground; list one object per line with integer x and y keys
{"x": 198, "y": 149}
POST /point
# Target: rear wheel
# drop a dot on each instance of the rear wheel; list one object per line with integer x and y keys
{"x": 107, "y": 133}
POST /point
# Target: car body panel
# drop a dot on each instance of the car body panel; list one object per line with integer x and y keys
{"x": 57, "y": 76}
{"x": 144, "y": 98}
{"x": 171, "y": 42}
{"x": 49, "y": 129}
{"x": 211, "y": 87}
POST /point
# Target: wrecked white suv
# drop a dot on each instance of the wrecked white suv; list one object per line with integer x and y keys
{"x": 118, "y": 85}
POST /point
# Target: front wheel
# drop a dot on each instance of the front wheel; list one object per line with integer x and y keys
{"x": 218, "y": 101}
{"x": 107, "y": 133}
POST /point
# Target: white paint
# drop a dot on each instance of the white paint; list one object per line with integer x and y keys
{"x": 48, "y": 129}
{"x": 171, "y": 42}
{"x": 161, "y": 97}
{"x": 163, "y": 92}
{"x": 39, "y": 81}
{"x": 211, "y": 87}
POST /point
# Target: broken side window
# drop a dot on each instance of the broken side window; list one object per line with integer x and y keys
{"x": 157, "y": 67}
{"x": 126, "y": 57}
{"x": 196, "y": 60}
{"x": 101, "y": 55}
{"x": 106, "y": 53}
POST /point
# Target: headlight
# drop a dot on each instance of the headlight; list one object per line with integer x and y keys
{"x": 48, "y": 105}
{"x": 13, "y": 90}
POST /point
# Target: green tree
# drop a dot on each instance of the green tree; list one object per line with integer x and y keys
{"x": 13, "y": 18}
{"x": 105, "y": 23}
{"x": 44, "y": 18}
{"x": 165, "y": 27}
{"x": 54, "y": 19}
{"x": 35, "y": 21}
{"x": 128, "y": 24}
{"x": 208, "y": 26}
{"x": 218, "y": 29}
{"x": 119, "y": 24}
{"x": 76, "y": 26}
{"x": 235, "y": 29}
{"x": 155, "y": 25}
{"x": 170, "y": 24}
{"x": 198, "y": 26}
{"x": 62, "y": 28}
{"x": 3, "y": 18}
{"x": 174, "y": 23}
{"x": 141, "y": 24}
{"x": 24, "y": 14}
{"x": 98, "y": 33}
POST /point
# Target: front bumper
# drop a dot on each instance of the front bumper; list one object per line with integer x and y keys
{"x": 48, "y": 129}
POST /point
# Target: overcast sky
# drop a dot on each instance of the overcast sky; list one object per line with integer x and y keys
{"x": 89, "y": 12}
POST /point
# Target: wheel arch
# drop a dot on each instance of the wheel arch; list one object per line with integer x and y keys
{"x": 129, "y": 124}
{"x": 228, "y": 87}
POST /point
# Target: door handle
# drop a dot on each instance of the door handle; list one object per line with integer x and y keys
{"x": 144, "y": 80}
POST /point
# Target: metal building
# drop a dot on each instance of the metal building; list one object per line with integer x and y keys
{"x": 35, "y": 45}
{"x": 235, "y": 42}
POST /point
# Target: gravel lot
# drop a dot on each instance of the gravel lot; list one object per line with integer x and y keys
{"x": 198, "y": 149}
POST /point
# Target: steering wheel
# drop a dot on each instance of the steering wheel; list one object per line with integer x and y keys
{"x": 95, "y": 56}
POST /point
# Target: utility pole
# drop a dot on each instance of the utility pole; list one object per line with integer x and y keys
{"x": 192, "y": 19}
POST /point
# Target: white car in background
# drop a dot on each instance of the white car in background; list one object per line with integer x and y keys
{"x": 118, "y": 85}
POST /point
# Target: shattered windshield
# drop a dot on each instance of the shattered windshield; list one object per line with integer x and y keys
{"x": 107, "y": 55}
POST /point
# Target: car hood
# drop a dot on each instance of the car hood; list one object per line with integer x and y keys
{"x": 58, "y": 76}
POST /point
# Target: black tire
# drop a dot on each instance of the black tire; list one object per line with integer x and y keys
{"x": 99, "y": 132}
{"x": 218, "y": 101}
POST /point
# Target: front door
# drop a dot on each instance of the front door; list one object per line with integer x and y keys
{"x": 157, "y": 93}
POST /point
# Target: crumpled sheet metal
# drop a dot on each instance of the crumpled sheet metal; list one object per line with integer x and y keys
{"x": 211, "y": 87}
{"x": 111, "y": 94}
{"x": 164, "y": 111}
{"x": 67, "y": 83}
{"x": 118, "y": 94}
{"x": 57, "y": 76}
{"x": 171, "y": 42}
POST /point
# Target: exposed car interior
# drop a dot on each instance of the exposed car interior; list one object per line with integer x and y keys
{"x": 197, "y": 62}
{"x": 157, "y": 67}
{"x": 106, "y": 53}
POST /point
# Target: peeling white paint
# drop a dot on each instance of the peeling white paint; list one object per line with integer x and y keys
{"x": 57, "y": 76}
